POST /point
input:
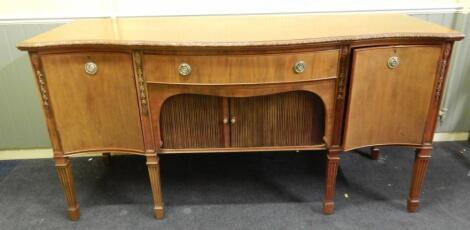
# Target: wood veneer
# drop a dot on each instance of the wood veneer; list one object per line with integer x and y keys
{"x": 287, "y": 119}
{"x": 243, "y": 95}
{"x": 241, "y": 69}
{"x": 390, "y": 106}
{"x": 192, "y": 121}
{"x": 105, "y": 103}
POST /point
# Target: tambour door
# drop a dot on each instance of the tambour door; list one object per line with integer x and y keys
{"x": 94, "y": 110}
{"x": 390, "y": 94}
{"x": 190, "y": 121}
{"x": 286, "y": 119}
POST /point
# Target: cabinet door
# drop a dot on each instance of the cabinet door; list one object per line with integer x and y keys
{"x": 190, "y": 121}
{"x": 389, "y": 105}
{"x": 287, "y": 119}
{"x": 94, "y": 112}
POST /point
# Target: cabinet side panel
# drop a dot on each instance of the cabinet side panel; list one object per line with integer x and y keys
{"x": 390, "y": 105}
{"x": 94, "y": 112}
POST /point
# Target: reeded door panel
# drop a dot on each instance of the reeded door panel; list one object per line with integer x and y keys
{"x": 94, "y": 111}
{"x": 190, "y": 121}
{"x": 390, "y": 95}
{"x": 286, "y": 119}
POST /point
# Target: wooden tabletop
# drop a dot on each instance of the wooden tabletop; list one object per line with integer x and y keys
{"x": 246, "y": 30}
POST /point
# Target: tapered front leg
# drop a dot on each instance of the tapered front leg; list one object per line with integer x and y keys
{"x": 419, "y": 171}
{"x": 64, "y": 171}
{"x": 374, "y": 153}
{"x": 332, "y": 163}
{"x": 154, "y": 174}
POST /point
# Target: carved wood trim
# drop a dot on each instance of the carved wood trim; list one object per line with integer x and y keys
{"x": 141, "y": 85}
{"x": 341, "y": 83}
{"x": 440, "y": 80}
{"x": 41, "y": 80}
{"x": 442, "y": 71}
{"x": 142, "y": 93}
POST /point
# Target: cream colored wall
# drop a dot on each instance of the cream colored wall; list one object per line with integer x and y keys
{"x": 53, "y": 9}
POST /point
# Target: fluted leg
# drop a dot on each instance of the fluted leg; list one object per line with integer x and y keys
{"x": 64, "y": 171}
{"x": 154, "y": 174}
{"x": 107, "y": 159}
{"x": 374, "y": 153}
{"x": 331, "y": 171}
{"x": 419, "y": 170}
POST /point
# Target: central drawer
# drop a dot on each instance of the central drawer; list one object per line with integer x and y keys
{"x": 241, "y": 69}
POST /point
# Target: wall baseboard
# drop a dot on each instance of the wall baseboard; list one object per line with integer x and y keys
{"x": 24, "y": 154}
{"x": 457, "y": 136}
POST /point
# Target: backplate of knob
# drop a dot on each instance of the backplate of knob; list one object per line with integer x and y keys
{"x": 91, "y": 68}
{"x": 184, "y": 69}
{"x": 299, "y": 67}
{"x": 393, "y": 62}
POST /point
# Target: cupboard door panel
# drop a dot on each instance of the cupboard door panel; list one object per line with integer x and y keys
{"x": 390, "y": 105}
{"x": 94, "y": 111}
{"x": 287, "y": 119}
{"x": 192, "y": 121}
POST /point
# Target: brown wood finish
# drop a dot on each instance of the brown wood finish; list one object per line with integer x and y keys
{"x": 192, "y": 121}
{"x": 420, "y": 166}
{"x": 245, "y": 149}
{"x": 374, "y": 153}
{"x": 225, "y": 121}
{"x": 106, "y": 159}
{"x": 137, "y": 102}
{"x": 159, "y": 93}
{"x": 332, "y": 164}
{"x": 237, "y": 31}
{"x": 390, "y": 106}
{"x": 233, "y": 69}
{"x": 104, "y": 103}
{"x": 64, "y": 171}
{"x": 153, "y": 165}
{"x": 287, "y": 119}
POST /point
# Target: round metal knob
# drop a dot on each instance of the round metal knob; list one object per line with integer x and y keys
{"x": 184, "y": 69}
{"x": 91, "y": 68}
{"x": 393, "y": 62}
{"x": 299, "y": 67}
{"x": 225, "y": 120}
{"x": 233, "y": 120}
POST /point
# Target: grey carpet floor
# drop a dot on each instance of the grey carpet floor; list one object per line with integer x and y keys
{"x": 279, "y": 190}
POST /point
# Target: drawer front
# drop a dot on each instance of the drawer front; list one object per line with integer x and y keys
{"x": 390, "y": 95}
{"x": 94, "y": 108}
{"x": 240, "y": 69}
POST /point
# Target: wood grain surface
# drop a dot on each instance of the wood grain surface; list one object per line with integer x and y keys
{"x": 94, "y": 111}
{"x": 390, "y": 106}
{"x": 236, "y": 69}
{"x": 246, "y": 30}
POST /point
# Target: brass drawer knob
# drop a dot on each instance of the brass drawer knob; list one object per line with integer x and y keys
{"x": 233, "y": 120}
{"x": 393, "y": 62}
{"x": 225, "y": 121}
{"x": 91, "y": 68}
{"x": 299, "y": 67}
{"x": 184, "y": 69}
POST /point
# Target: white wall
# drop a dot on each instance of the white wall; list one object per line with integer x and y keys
{"x": 65, "y": 9}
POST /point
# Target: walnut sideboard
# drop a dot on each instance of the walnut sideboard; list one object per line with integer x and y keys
{"x": 151, "y": 86}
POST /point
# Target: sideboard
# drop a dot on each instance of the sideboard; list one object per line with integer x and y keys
{"x": 216, "y": 84}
